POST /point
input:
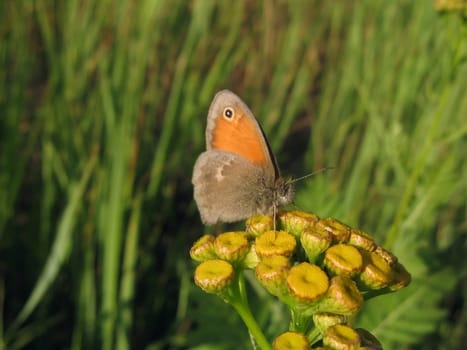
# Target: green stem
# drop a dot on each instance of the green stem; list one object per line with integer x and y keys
{"x": 313, "y": 335}
{"x": 239, "y": 301}
{"x": 254, "y": 329}
{"x": 242, "y": 288}
{"x": 299, "y": 321}
{"x": 293, "y": 320}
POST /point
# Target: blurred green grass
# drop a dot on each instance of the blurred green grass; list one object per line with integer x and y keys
{"x": 103, "y": 107}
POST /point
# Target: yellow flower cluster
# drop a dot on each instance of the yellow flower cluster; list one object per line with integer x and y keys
{"x": 321, "y": 269}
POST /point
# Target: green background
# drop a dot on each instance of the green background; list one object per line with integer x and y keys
{"x": 103, "y": 107}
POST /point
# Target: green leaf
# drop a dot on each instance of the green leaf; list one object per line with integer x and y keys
{"x": 406, "y": 316}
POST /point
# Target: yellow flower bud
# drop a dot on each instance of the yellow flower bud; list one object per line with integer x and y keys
{"x": 297, "y": 221}
{"x": 203, "y": 248}
{"x": 343, "y": 259}
{"x": 339, "y": 231}
{"x": 275, "y": 243}
{"x": 324, "y": 320}
{"x": 307, "y": 283}
{"x": 213, "y": 276}
{"x": 401, "y": 279}
{"x": 272, "y": 274}
{"x": 315, "y": 242}
{"x": 341, "y": 337}
{"x": 342, "y": 297}
{"x": 257, "y": 225}
{"x": 376, "y": 272}
{"x": 291, "y": 341}
{"x": 232, "y": 246}
{"x": 362, "y": 240}
{"x": 390, "y": 258}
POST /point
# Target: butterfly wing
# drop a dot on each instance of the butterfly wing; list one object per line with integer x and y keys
{"x": 237, "y": 176}
{"x": 239, "y": 133}
{"x": 228, "y": 188}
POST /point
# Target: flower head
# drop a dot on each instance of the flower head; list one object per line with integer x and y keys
{"x": 307, "y": 283}
{"x": 257, "y": 225}
{"x": 341, "y": 337}
{"x": 324, "y": 320}
{"x": 203, "y": 249}
{"x": 339, "y": 230}
{"x": 323, "y": 281}
{"x": 275, "y": 243}
{"x": 390, "y": 258}
{"x": 272, "y": 273}
{"x": 401, "y": 277}
{"x": 343, "y": 259}
{"x": 376, "y": 273}
{"x": 363, "y": 240}
{"x": 297, "y": 221}
{"x": 315, "y": 241}
{"x": 213, "y": 276}
{"x": 291, "y": 341}
{"x": 342, "y": 297}
{"x": 231, "y": 246}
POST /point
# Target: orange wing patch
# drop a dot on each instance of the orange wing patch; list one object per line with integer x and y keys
{"x": 241, "y": 136}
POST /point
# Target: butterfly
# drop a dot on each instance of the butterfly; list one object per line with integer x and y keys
{"x": 237, "y": 176}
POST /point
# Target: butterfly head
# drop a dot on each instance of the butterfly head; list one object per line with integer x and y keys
{"x": 285, "y": 192}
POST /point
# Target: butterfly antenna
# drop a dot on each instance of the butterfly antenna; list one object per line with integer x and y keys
{"x": 274, "y": 213}
{"x": 311, "y": 174}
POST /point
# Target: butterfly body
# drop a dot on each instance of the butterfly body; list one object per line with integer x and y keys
{"x": 237, "y": 176}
